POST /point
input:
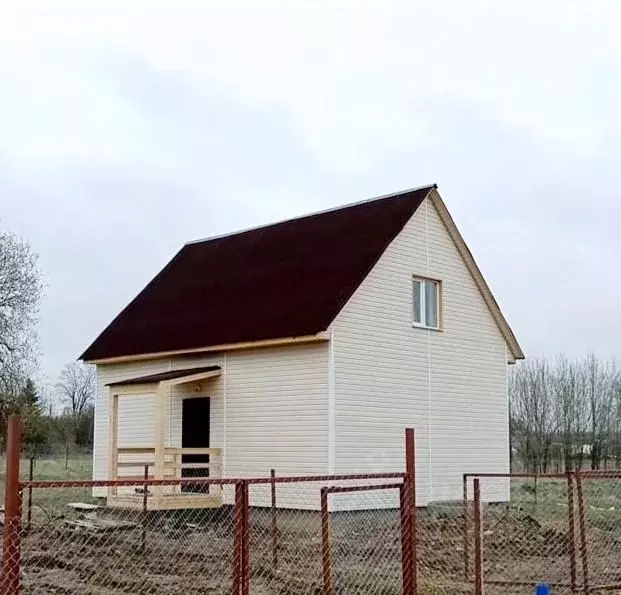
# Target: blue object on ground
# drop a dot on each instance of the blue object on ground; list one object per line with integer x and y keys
{"x": 542, "y": 590}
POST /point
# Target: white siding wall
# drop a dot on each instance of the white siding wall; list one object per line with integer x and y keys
{"x": 450, "y": 385}
{"x": 277, "y": 417}
{"x": 276, "y": 414}
{"x": 468, "y": 371}
{"x": 136, "y": 421}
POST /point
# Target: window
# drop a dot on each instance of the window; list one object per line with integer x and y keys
{"x": 426, "y": 302}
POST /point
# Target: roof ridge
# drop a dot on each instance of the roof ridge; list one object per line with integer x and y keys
{"x": 312, "y": 214}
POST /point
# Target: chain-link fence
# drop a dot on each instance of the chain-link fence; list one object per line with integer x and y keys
{"x": 561, "y": 530}
{"x": 598, "y": 496}
{"x": 527, "y": 528}
{"x": 441, "y": 549}
{"x": 316, "y": 534}
{"x": 331, "y": 534}
{"x": 70, "y": 542}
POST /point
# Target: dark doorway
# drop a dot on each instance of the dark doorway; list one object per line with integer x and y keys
{"x": 195, "y": 434}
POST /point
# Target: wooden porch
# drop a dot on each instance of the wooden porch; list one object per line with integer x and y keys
{"x": 160, "y": 461}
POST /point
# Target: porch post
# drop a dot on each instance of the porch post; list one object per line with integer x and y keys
{"x": 160, "y": 403}
{"x": 113, "y": 440}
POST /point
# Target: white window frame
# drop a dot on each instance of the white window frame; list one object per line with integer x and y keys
{"x": 422, "y": 305}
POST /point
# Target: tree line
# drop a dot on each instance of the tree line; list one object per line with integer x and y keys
{"x": 565, "y": 414}
{"x": 60, "y": 424}
{"x": 62, "y": 420}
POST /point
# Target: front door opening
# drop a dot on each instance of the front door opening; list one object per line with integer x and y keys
{"x": 195, "y": 434}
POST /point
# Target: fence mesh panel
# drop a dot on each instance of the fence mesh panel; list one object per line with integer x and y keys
{"x": 440, "y": 528}
{"x": 285, "y": 541}
{"x": 71, "y": 544}
{"x": 345, "y": 534}
{"x": 365, "y": 539}
{"x": 67, "y": 541}
{"x": 527, "y": 535}
{"x": 288, "y": 541}
{"x": 599, "y": 514}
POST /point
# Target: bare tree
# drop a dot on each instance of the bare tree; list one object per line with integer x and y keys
{"x": 599, "y": 384}
{"x": 571, "y": 410}
{"x": 20, "y": 291}
{"x": 532, "y": 410}
{"x": 608, "y": 420}
{"x": 614, "y": 418}
{"x": 565, "y": 411}
{"x": 76, "y": 387}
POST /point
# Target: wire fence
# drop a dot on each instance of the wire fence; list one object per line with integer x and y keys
{"x": 327, "y": 534}
{"x": 599, "y": 522}
{"x": 528, "y": 533}
{"x": 441, "y": 549}
{"x": 347, "y": 537}
{"x": 73, "y": 545}
{"x": 562, "y": 530}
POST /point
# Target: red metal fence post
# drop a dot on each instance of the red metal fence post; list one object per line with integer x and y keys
{"x": 238, "y": 529}
{"x": 478, "y": 539}
{"x": 583, "y": 535}
{"x": 245, "y": 566}
{"x": 326, "y": 550}
{"x": 466, "y": 519}
{"x": 410, "y": 480}
{"x": 406, "y": 536}
{"x": 274, "y": 522}
{"x": 241, "y": 540}
{"x": 9, "y": 584}
{"x": 572, "y": 530}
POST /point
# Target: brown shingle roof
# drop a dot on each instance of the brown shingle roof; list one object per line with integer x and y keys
{"x": 289, "y": 279}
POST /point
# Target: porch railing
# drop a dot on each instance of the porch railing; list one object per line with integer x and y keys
{"x": 130, "y": 462}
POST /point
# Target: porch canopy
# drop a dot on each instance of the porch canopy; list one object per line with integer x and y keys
{"x": 158, "y": 384}
{"x": 182, "y": 376}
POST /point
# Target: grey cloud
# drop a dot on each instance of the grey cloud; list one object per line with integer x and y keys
{"x": 104, "y": 228}
{"x": 540, "y": 216}
{"x": 541, "y": 220}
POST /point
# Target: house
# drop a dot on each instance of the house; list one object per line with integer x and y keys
{"x": 308, "y": 346}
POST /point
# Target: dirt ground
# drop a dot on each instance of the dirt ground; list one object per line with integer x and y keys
{"x": 193, "y": 553}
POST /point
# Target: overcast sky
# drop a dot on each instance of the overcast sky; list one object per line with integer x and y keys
{"x": 128, "y": 128}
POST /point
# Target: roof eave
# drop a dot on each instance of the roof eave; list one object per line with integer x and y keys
{"x": 513, "y": 346}
{"x": 316, "y": 338}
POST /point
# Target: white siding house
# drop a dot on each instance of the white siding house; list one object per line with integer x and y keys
{"x": 335, "y": 397}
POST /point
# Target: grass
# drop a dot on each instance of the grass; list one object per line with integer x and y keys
{"x": 53, "y": 468}
{"x": 549, "y": 502}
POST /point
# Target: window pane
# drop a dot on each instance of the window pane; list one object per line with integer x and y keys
{"x": 418, "y": 287}
{"x": 431, "y": 303}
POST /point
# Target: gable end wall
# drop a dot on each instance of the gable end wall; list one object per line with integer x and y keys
{"x": 449, "y": 385}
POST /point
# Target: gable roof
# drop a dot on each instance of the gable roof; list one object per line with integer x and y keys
{"x": 285, "y": 280}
